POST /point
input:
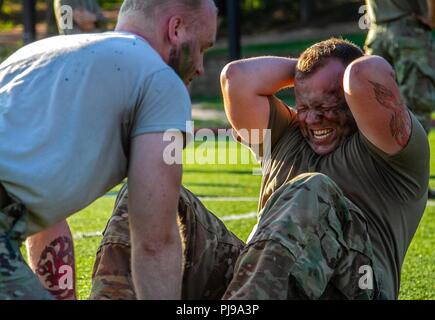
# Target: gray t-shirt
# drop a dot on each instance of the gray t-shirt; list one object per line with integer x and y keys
{"x": 69, "y": 107}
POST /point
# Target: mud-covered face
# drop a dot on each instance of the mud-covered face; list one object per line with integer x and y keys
{"x": 187, "y": 59}
{"x": 324, "y": 117}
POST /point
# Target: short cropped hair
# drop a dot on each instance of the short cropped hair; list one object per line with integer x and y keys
{"x": 317, "y": 55}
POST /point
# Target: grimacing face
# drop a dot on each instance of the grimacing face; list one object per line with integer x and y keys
{"x": 324, "y": 117}
{"x": 187, "y": 59}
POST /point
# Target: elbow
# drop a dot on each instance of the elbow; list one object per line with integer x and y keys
{"x": 151, "y": 248}
{"x": 158, "y": 244}
{"x": 364, "y": 69}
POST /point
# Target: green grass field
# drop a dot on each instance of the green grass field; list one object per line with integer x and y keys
{"x": 210, "y": 181}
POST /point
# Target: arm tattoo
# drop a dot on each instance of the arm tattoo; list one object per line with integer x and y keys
{"x": 400, "y": 124}
{"x": 56, "y": 261}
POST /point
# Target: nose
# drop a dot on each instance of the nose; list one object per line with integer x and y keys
{"x": 313, "y": 117}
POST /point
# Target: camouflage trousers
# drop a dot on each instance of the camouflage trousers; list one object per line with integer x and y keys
{"x": 310, "y": 243}
{"x": 210, "y": 252}
{"x": 17, "y": 281}
{"x": 408, "y": 47}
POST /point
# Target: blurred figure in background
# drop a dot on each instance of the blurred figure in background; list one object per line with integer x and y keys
{"x": 86, "y": 14}
{"x": 400, "y": 31}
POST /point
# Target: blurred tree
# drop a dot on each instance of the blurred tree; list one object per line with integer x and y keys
{"x": 253, "y": 5}
{"x": 307, "y": 8}
{"x": 29, "y": 21}
{"x": 233, "y": 16}
{"x": 110, "y": 4}
{"x": 264, "y": 15}
{"x": 49, "y": 18}
{"x": 257, "y": 15}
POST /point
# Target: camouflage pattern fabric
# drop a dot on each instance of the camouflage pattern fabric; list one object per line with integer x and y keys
{"x": 17, "y": 281}
{"x": 310, "y": 243}
{"x": 210, "y": 253}
{"x": 408, "y": 46}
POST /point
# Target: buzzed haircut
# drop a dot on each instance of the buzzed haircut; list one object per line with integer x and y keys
{"x": 317, "y": 55}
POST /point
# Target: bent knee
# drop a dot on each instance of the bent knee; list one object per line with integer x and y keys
{"x": 301, "y": 203}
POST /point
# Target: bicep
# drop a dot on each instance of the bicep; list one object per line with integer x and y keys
{"x": 374, "y": 99}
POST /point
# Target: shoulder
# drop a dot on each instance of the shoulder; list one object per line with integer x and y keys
{"x": 120, "y": 53}
{"x": 165, "y": 82}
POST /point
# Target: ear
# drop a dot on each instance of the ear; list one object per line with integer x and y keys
{"x": 176, "y": 29}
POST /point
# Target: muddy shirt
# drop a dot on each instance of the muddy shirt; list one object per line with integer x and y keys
{"x": 390, "y": 190}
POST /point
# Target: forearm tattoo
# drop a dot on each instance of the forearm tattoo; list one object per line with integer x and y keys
{"x": 56, "y": 268}
{"x": 400, "y": 124}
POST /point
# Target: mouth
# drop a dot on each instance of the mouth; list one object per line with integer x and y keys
{"x": 321, "y": 135}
